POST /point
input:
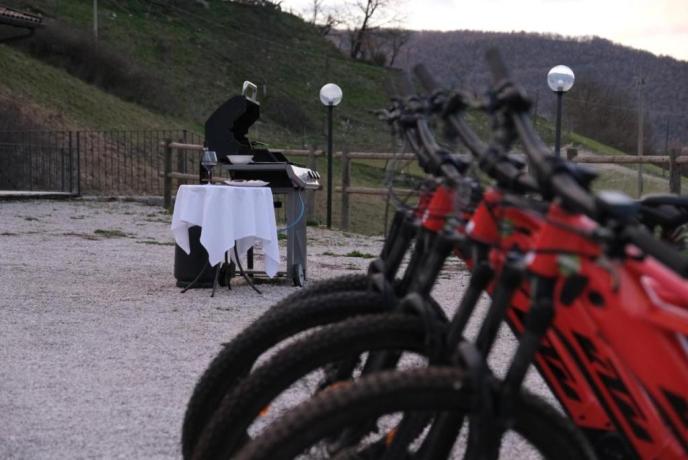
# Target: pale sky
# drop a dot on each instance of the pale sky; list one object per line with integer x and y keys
{"x": 658, "y": 26}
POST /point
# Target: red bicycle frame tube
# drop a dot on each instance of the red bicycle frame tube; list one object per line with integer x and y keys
{"x": 521, "y": 230}
{"x": 424, "y": 200}
{"x": 606, "y": 382}
{"x": 624, "y": 330}
{"x": 439, "y": 208}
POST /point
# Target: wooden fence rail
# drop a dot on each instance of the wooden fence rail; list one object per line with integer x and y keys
{"x": 674, "y": 160}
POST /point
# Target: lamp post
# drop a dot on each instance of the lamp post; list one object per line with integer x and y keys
{"x": 559, "y": 79}
{"x": 95, "y": 20}
{"x": 330, "y": 96}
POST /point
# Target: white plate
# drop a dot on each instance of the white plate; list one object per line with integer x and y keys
{"x": 240, "y": 159}
{"x": 246, "y": 183}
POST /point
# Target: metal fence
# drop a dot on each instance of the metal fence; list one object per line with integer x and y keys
{"x": 37, "y": 161}
{"x": 90, "y": 162}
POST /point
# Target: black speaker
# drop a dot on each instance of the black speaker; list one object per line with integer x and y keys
{"x": 188, "y": 266}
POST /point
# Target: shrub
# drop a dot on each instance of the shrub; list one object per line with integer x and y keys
{"x": 96, "y": 64}
{"x": 286, "y": 112}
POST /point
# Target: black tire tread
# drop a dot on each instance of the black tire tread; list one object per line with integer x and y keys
{"x": 320, "y": 303}
{"x": 391, "y": 331}
{"x": 432, "y": 389}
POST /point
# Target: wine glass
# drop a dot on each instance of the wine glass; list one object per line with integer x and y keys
{"x": 209, "y": 160}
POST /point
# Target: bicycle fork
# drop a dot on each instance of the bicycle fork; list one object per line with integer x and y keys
{"x": 447, "y": 425}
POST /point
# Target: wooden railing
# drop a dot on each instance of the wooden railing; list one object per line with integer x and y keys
{"x": 674, "y": 160}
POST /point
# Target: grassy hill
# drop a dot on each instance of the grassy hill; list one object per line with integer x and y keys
{"x": 182, "y": 60}
{"x": 611, "y": 69}
{"x": 42, "y": 96}
{"x": 161, "y": 65}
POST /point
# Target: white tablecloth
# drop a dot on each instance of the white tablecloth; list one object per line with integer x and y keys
{"x": 227, "y": 214}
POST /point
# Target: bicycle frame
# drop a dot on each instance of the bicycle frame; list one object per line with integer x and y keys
{"x": 504, "y": 227}
{"x": 640, "y": 384}
{"x": 584, "y": 371}
{"x": 625, "y": 399}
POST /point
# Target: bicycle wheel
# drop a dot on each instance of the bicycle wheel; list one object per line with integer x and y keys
{"x": 301, "y": 432}
{"x": 324, "y": 302}
{"x": 296, "y": 373}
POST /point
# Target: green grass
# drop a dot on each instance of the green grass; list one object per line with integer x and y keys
{"x": 110, "y": 233}
{"x": 203, "y": 55}
{"x": 68, "y": 101}
{"x": 156, "y": 243}
{"x": 361, "y": 255}
{"x": 356, "y": 254}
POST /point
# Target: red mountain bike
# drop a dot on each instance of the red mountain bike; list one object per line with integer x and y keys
{"x": 605, "y": 315}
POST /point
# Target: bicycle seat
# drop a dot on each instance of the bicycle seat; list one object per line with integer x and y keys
{"x": 583, "y": 174}
{"x": 666, "y": 211}
{"x": 516, "y": 160}
{"x": 459, "y": 161}
{"x": 617, "y": 205}
{"x": 680, "y": 201}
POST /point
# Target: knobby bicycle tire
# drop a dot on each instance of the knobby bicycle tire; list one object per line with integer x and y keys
{"x": 431, "y": 389}
{"x": 226, "y": 432}
{"x": 345, "y": 296}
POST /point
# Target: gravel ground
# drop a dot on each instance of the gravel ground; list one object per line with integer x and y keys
{"x": 99, "y": 350}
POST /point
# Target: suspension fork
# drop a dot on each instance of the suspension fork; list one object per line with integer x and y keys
{"x": 382, "y": 278}
{"x": 399, "y": 217}
{"x": 538, "y": 321}
{"x": 488, "y": 425}
{"x": 407, "y": 232}
{"x": 509, "y": 280}
{"x": 447, "y": 425}
{"x": 424, "y": 241}
{"x": 481, "y": 276}
{"x": 404, "y": 229}
{"x": 434, "y": 257}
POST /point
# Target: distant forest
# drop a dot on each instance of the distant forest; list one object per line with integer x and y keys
{"x": 605, "y": 98}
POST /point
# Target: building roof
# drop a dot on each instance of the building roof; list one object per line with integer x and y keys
{"x": 16, "y": 18}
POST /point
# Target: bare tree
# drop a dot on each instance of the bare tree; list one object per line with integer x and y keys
{"x": 274, "y": 4}
{"x": 604, "y": 112}
{"x": 394, "y": 40}
{"x": 367, "y": 16}
{"x": 327, "y": 26}
{"x": 317, "y": 10}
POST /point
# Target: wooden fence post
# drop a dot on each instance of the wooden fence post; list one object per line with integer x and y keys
{"x": 167, "y": 180}
{"x": 181, "y": 164}
{"x": 674, "y": 173}
{"x": 346, "y": 182}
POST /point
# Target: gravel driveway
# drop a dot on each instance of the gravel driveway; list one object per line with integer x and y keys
{"x": 99, "y": 351}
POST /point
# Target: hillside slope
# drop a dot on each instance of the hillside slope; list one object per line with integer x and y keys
{"x": 198, "y": 57}
{"x": 458, "y": 57}
{"x": 39, "y": 96}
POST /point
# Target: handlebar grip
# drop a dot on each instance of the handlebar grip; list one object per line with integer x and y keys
{"x": 526, "y": 183}
{"x": 426, "y": 79}
{"x": 573, "y": 195}
{"x": 661, "y": 251}
{"x": 496, "y": 64}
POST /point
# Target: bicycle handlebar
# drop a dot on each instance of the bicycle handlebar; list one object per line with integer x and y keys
{"x": 426, "y": 79}
{"x": 562, "y": 183}
{"x": 490, "y": 160}
{"x": 657, "y": 249}
{"x": 496, "y": 65}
